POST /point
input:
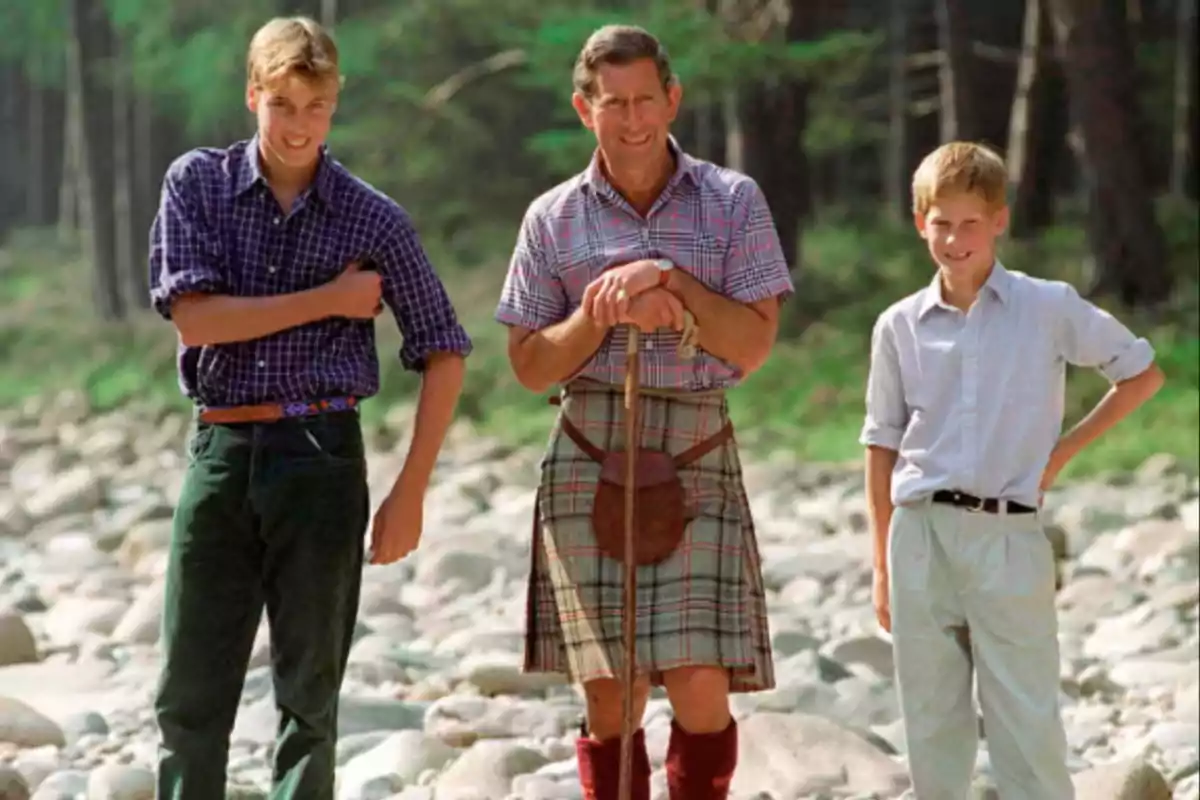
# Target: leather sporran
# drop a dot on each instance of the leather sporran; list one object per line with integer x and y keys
{"x": 661, "y": 513}
{"x": 660, "y": 510}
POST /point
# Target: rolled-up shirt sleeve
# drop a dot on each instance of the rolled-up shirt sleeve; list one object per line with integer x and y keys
{"x": 887, "y": 413}
{"x": 1089, "y": 336}
{"x": 417, "y": 297}
{"x": 185, "y": 254}
{"x": 533, "y": 296}
{"x": 755, "y": 268}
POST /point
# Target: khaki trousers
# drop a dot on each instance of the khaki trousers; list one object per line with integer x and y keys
{"x": 972, "y": 595}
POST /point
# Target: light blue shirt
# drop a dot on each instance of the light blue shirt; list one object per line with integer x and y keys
{"x": 974, "y": 401}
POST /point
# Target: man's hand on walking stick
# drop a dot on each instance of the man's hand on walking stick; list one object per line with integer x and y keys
{"x": 608, "y": 298}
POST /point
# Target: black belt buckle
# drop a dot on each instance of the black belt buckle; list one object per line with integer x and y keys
{"x": 976, "y": 507}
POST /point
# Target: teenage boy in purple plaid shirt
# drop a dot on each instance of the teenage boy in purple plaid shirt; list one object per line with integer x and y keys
{"x": 273, "y": 260}
{"x": 645, "y": 232}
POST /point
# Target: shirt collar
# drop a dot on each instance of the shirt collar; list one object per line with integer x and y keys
{"x": 685, "y": 168}
{"x": 249, "y": 173}
{"x": 998, "y": 284}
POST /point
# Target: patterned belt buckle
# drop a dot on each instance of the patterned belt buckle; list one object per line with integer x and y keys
{"x": 300, "y": 409}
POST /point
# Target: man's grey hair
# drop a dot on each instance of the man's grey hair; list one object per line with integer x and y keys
{"x": 619, "y": 45}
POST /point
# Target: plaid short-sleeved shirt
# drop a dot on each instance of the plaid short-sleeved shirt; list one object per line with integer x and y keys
{"x": 711, "y": 221}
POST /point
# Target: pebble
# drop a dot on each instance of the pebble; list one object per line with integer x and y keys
{"x": 435, "y": 706}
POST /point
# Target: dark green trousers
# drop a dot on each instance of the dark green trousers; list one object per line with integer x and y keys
{"x": 271, "y": 515}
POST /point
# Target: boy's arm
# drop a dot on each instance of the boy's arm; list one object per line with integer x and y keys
{"x": 883, "y": 429}
{"x": 189, "y": 283}
{"x": 547, "y": 343}
{"x": 880, "y": 463}
{"x": 1089, "y": 336}
{"x": 434, "y": 344}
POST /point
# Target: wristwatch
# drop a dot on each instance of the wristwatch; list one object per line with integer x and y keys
{"x": 665, "y": 265}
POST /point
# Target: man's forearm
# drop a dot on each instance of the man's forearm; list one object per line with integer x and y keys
{"x": 550, "y": 355}
{"x": 441, "y": 386}
{"x": 880, "y": 463}
{"x": 220, "y": 319}
{"x": 731, "y": 331}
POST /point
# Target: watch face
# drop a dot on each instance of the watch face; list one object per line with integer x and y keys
{"x": 664, "y": 264}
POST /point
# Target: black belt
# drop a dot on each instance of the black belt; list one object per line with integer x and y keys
{"x": 989, "y": 505}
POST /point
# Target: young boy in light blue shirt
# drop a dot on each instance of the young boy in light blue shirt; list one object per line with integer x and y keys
{"x": 963, "y": 433}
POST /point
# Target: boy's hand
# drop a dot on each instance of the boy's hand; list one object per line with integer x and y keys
{"x": 883, "y": 603}
{"x": 356, "y": 293}
{"x": 396, "y": 529}
{"x": 1054, "y": 465}
{"x": 656, "y": 308}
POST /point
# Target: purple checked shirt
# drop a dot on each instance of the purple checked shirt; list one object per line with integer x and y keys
{"x": 219, "y": 230}
{"x": 711, "y": 221}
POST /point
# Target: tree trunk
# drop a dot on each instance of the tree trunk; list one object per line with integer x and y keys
{"x": 329, "y": 13}
{"x": 924, "y": 121}
{"x": 996, "y": 32}
{"x": 955, "y": 83}
{"x": 145, "y": 195}
{"x": 72, "y": 191}
{"x": 730, "y": 102}
{"x": 1128, "y": 242}
{"x": 12, "y": 143}
{"x": 896, "y": 176}
{"x": 89, "y": 37}
{"x": 774, "y": 118}
{"x": 46, "y": 127}
{"x": 1182, "y": 156}
{"x": 35, "y": 189}
{"x": 710, "y": 133}
{"x": 708, "y": 111}
{"x": 125, "y": 221}
{"x": 1037, "y": 136}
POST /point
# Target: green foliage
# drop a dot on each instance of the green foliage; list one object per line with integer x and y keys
{"x": 427, "y": 114}
{"x": 806, "y": 402}
{"x": 35, "y": 35}
{"x": 190, "y": 60}
{"x": 399, "y": 125}
{"x": 705, "y": 56}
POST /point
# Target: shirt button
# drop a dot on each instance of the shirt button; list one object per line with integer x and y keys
{"x": 271, "y": 268}
{"x": 276, "y": 220}
{"x": 262, "y": 364}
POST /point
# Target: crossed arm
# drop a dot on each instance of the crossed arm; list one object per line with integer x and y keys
{"x": 737, "y": 323}
{"x": 739, "y": 333}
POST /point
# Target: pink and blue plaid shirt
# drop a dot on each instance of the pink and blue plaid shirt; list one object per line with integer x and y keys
{"x": 711, "y": 221}
{"x": 219, "y": 230}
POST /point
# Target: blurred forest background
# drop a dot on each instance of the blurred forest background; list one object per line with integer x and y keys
{"x": 460, "y": 110}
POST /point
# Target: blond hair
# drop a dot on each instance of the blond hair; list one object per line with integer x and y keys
{"x": 959, "y": 168}
{"x": 292, "y": 46}
{"x": 619, "y": 45}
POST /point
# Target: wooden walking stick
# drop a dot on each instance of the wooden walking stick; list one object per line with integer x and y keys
{"x": 629, "y": 606}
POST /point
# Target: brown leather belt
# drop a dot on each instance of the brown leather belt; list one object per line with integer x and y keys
{"x": 273, "y": 412}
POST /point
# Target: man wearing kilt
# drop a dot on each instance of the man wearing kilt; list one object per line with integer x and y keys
{"x": 651, "y": 237}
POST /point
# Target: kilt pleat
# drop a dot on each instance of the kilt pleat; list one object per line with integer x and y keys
{"x": 703, "y": 606}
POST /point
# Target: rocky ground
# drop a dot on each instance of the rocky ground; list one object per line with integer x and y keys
{"x": 435, "y": 707}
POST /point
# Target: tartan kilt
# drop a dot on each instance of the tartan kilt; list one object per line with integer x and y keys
{"x": 705, "y": 605}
